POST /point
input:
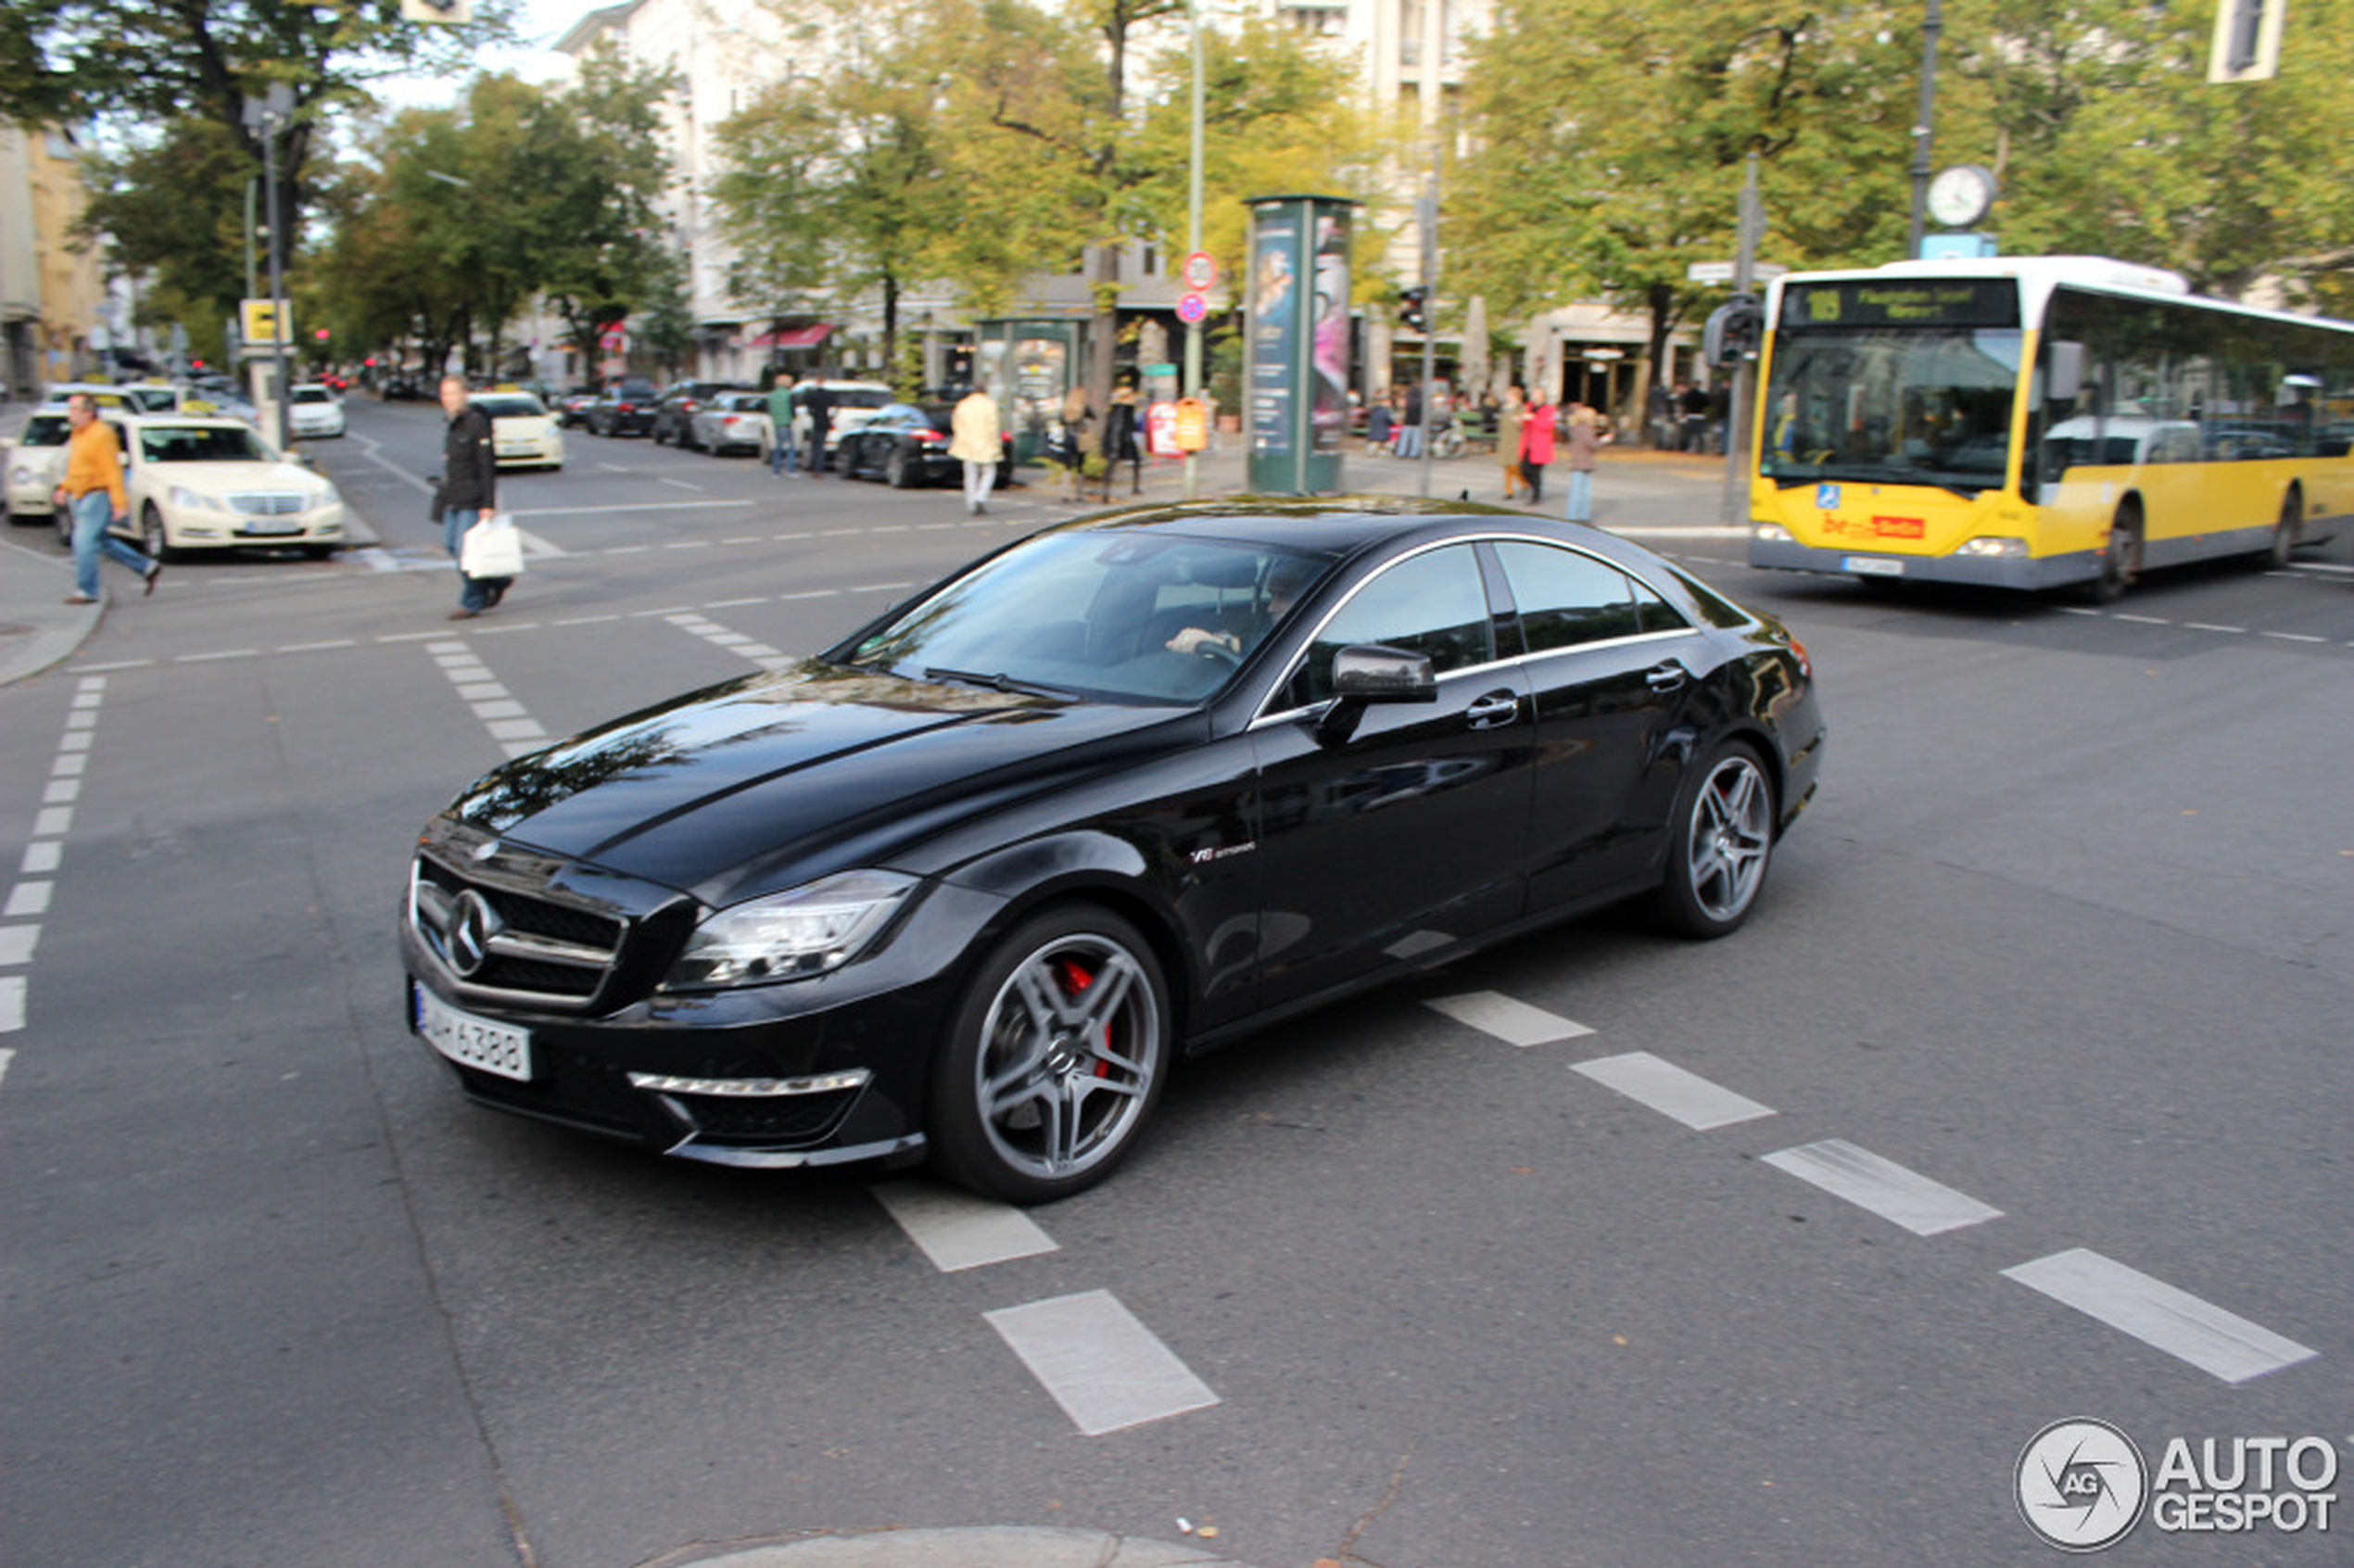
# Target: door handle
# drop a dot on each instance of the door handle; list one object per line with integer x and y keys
{"x": 1493, "y": 711}
{"x": 1664, "y": 678}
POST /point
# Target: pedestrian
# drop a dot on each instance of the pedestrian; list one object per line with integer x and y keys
{"x": 976, "y": 440}
{"x": 1693, "y": 404}
{"x": 816, "y": 401}
{"x": 784, "y": 457}
{"x": 1511, "y": 416}
{"x": 1377, "y": 421}
{"x": 93, "y": 494}
{"x": 469, "y": 491}
{"x": 1410, "y": 430}
{"x": 1123, "y": 443}
{"x": 1583, "y": 442}
{"x": 1536, "y": 446}
{"x": 1076, "y": 443}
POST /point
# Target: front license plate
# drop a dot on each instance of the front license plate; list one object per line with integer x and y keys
{"x": 270, "y": 530}
{"x": 1873, "y": 566}
{"x": 477, "y": 1042}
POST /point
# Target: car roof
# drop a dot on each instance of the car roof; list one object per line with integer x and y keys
{"x": 1339, "y": 525}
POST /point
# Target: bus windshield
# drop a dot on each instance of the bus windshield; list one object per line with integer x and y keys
{"x": 1892, "y": 405}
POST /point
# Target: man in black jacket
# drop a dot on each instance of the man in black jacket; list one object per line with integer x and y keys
{"x": 469, "y": 491}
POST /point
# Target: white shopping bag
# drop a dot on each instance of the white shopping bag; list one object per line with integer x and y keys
{"x": 492, "y": 548}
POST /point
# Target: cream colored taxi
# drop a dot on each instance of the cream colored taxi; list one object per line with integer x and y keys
{"x": 208, "y": 482}
{"x": 525, "y": 432}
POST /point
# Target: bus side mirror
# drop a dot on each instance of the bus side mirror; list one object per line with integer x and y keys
{"x": 2064, "y": 381}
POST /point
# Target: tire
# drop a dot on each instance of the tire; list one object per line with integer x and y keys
{"x": 1054, "y": 1059}
{"x": 1721, "y": 844}
{"x": 2286, "y": 531}
{"x": 898, "y": 473}
{"x": 152, "y": 538}
{"x": 2120, "y": 556}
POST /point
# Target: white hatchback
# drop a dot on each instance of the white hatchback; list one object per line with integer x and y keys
{"x": 313, "y": 410}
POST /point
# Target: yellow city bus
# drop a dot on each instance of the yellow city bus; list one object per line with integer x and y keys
{"x": 2038, "y": 422}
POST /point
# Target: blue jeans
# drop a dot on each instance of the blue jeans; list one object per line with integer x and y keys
{"x": 1581, "y": 495}
{"x": 784, "y": 457}
{"x": 474, "y": 593}
{"x": 92, "y": 511}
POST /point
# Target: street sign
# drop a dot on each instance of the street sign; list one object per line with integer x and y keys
{"x": 1724, "y": 271}
{"x": 1201, "y": 271}
{"x": 1192, "y": 309}
{"x": 265, "y": 321}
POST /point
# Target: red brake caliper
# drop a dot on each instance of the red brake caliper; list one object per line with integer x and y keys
{"x": 1076, "y": 979}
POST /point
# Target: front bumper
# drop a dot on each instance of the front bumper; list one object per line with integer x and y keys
{"x": 826, "y": 1070}
{"x": 2025, "y": 574}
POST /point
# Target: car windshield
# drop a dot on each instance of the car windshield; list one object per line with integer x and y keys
{"x": 1097, "y": 615}
{"x": 511, "y": 405}
{"x": 1903, "y": 406}
{"x": 858, "y": 397}
{"x": 45, "y": 430}
{"x": 313, "y": 395}
{"x": 154, "y": 399}
{"x": 201, "y": 443}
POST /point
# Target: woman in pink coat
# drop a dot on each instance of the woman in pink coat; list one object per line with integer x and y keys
{"x": 1537, "y": 445}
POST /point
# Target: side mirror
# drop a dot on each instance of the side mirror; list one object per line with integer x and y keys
{"x": 1368, "y": 673}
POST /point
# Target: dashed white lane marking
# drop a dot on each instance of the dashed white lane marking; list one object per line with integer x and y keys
{"x": 5, "y": 1057}
{"x": 1514, "y": 1023}
{"x": 957, "y": 1231}
{"x": 29, "y": 897}
{"x": 1672, "y": 1092}
{"x": 515, "y": 730}
{"x": 1864, "y": 1179}
{"x": 1104, "y": 1368}
{"x": 2209, "y": 1338}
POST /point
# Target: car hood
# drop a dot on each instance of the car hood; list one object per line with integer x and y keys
{"x": 764, "y": 782}
{"x": 222, "y": 477}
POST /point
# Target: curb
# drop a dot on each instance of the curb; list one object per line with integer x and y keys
{"x": 989, "y": 1547}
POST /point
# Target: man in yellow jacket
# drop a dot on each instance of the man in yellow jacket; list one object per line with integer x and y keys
{"x": 974, "y": 439}
{"x": 92, "y": 488}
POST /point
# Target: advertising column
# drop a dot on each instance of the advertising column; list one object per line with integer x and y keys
{"x": 1298, "y": 339}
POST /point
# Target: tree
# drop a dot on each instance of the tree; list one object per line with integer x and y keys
{"x": 1611, "y": 142}
{"x": 839, "y": 184}
{"x": 138, "y": 63}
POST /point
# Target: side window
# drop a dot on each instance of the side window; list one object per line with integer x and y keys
{"x": 1433, "y": 603}
{"x": 1566, "y": 597}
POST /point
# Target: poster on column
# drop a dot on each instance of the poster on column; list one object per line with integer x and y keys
{"x": 1329, "y": 345}
{"x": 1274, "y": 329}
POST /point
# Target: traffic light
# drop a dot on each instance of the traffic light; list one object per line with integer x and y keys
{"x": 1413, "y": 311}
{"x": 1732, "y": 331}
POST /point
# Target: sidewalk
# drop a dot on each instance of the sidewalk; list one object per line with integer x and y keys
{"x": 37, "y": 627}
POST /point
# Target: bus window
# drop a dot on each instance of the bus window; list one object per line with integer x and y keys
{"x": 1899, "y": 406}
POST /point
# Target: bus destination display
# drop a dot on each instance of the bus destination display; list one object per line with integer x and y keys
{"x": 1948, "y": 302}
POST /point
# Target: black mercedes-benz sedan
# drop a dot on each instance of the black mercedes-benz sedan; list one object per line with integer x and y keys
{"x": 968, "y": 884}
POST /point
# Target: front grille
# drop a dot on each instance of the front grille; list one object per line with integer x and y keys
{"x": 270, "y": 505}
{"x": 797, "y": 1119}
{"x": 513, "y": 946}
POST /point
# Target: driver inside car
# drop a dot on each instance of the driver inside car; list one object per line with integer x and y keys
{"x": 1285, "y": 582}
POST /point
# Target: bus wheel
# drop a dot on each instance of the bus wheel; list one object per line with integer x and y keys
{"x": 2121, "y": 557}
{"x": 2287, "y": 531}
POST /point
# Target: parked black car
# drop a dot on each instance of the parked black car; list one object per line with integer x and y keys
{"x": 626, "y": 408}
{"x": 971, "y": 880}
{"x": 674, "y": 409}
{"x": 903, "y": 445}
{"x": 571, "y": 408}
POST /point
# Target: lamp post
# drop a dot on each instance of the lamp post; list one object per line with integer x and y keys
{"x": 266, "y": 117}
{"x": 1932, "y": 26}
{"x": 1193, "y": 242}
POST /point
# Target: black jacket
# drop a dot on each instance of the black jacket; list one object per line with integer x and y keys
{"x": 470, "y": 462}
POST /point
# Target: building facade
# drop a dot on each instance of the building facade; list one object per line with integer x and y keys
{"x": 52, "y": 294}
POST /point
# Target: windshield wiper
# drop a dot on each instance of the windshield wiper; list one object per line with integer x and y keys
{"x": 1000, "y": 681}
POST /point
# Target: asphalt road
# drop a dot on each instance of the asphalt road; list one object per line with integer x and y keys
{"x": 1547, "y": 1277}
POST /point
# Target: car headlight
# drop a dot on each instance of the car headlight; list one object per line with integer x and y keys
{"x": 1770, "y": 533}
{"x": 790, "y": 935}
{"x": 181, "y": 496}
{"x": 1993, "y": 545}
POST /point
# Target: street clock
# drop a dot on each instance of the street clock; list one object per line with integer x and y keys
{"x": 1961, "y": 196}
